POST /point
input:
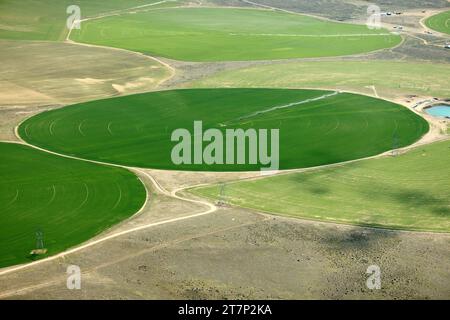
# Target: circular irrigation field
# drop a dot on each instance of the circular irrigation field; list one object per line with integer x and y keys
{"x": 439, "y": 22}
{"x": 315, "y": 127}
{"x": 225, "y": 34}
{"x": 69, "y": 201}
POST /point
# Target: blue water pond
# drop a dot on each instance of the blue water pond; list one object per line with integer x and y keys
{"x": 442, "y": 111}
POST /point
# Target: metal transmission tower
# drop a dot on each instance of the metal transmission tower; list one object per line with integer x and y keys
{"x": 39, "y": 239}
{"x": 39, "y": 243}
{"x": 222, "y": 202}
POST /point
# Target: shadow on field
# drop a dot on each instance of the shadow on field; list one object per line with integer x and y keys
{"x": 424, "y": 200}
{"x": 309, "y": 184}
{"x": 357, "y": 238}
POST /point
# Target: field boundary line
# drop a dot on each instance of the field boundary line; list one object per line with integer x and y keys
{"x": 271, "y": 8}
{"x": 418, "y": 143}
{"x": 174, "y": 194}
{"x": 273, "y": 214}
{"x": 154, "y": 248}
{"x": 429, "y": 15}
{"x": 327, "y": 166}
{"x": 114, "y": 13}
{"x": 258, "y": 7}
{"x": 172, "y": 70}
{"x": 211, "y": 209}
{"x": 374, "y": 89}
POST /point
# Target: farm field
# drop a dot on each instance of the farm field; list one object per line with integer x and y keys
{"x": 408, "y": 191}
{"x": 70, "y": 201}
{"x": 220, "y": 34}
{"x": 72, "y": 73}
{"x": 94, "y": 122}
{"x": 46, "y": 20}
{"x": 391, "y": 78}
{"x": 439, "y": 22}
{"x": 316, "y": 127}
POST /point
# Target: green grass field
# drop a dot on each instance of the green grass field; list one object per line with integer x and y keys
{"x": 218, "y": 34}
{"x": 136, "y": 130}
{"x": 409, "y": 191}
{"x": 70, "y": 201}
{"x": 403, "y": 78}
{"x": 46, "y": 19}
{"x": 439, "y": 22}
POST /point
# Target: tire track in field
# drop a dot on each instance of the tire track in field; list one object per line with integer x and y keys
{"x": 79, "y": 127}
{"x": 120, "y": 197}
{"x": 50, "y": 128}
{"x": 53, "y": 196}
{"x": 109, "y": 128}
{"x": 86, "y": 189}
{"x": 13, "y": 200}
